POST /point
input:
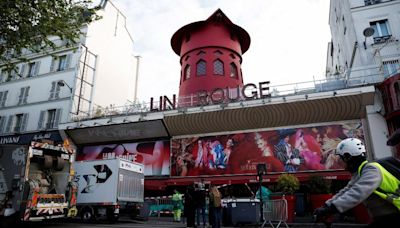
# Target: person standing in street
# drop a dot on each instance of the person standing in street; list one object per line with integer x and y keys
{"x": 216, "y": 206}
{"x": 177, "y": 205}
{"x": 190, "y": 206}
{"x": 200, "y": 203}
{"x": 370, "y": 183}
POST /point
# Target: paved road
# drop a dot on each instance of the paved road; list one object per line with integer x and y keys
{"x": 159, "y": 224}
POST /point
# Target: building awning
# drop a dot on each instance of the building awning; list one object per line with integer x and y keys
{"x": 162, "y": 184}
{"x": 277, "y": 112}
{"x": 111, "y": 133}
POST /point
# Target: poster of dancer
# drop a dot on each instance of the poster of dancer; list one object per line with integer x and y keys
{"x": 282, "y": 150}
{"x": 155, "y": 155}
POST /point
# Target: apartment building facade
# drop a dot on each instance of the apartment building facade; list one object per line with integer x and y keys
{"x": 365, "y": 46}
{"x": 57, "y": 85}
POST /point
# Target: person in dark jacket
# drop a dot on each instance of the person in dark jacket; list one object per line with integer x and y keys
{"x": 366, "y": 179}
{"x": 189, "y": 206}
{"x": 200, "y": 203}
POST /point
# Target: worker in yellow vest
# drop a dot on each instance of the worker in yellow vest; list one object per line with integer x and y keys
{"x": 370, "y": 183}
{"x": 177, "y": 205}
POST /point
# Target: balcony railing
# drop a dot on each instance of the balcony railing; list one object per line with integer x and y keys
{"x": 371, "y": 76}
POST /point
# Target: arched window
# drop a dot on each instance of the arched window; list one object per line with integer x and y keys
{"x": 187, "y": 72}
{"x": 218, "y": 67}
{"x": 234, "y": 72}
{"x": 201, "y": 68}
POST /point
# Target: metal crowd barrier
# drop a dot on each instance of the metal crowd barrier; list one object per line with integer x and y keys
{"x": 275, "y": 211}
{"x": 161, "y": 205}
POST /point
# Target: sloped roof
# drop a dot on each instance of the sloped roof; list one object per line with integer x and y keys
{"x": 218, "y": 15}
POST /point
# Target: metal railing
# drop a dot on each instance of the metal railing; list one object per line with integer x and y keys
{"x": 370, "y": 76}
{"x": 275, "y": 211}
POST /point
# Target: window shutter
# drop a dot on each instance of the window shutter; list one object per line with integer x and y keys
{"x": 53, "y": 87}
{"x": 57, "y": 118}
{"x": 24, "y": 122}
{"x": 68, "y": 62}
{"x": 37, "y": 66}
{"x": 53, "y": 63}
{"x": 41, "y": 119}
{"x": 22, "y": 70}
{"x": 3, "y": 99}
{"x": 26, "y": 94}
{"x": 2, "y": 122}
{"x": 9, "y": 123}
{"x": 21, "y": 95}
{"x": 57, "y": 92}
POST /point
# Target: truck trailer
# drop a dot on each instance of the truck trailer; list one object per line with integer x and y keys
{"x": 36, "y": 182}
{"x": 107, "y": 186}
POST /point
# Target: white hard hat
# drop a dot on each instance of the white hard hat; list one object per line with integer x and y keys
{"x": 352, "y": 146}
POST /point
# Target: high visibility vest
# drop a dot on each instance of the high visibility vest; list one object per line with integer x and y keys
{"x": 390, "y": 186}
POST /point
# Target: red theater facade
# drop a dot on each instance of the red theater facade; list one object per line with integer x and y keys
{"x": 219, "y": 129}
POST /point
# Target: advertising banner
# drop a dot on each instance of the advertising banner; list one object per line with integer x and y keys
{"x": 283, "y": 150}
{"x": 155, "y": 156}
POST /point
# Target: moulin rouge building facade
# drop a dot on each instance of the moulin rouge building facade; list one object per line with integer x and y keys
{"x": 218, "y": 129}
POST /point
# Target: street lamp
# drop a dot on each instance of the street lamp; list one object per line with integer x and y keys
{"x": 261, "y": 170}
{"x": 63, "y": 83}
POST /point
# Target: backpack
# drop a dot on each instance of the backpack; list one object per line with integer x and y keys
{"x": 392, "y": 165}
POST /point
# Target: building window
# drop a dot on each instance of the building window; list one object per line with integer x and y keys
{"x": 371, "y": 2}
{"x": 60, "y": 63}
{"x": 187, "y": 72}
{"x": 33, "y": 69}
{"x": 23, "y": 95}
{"x": 390, "y": 67}
{"x": 17, "y": 123}
{"x": 201, "y": 68}
{"x": 54, "y": 91}
{"x": 218, "y": 67}
{"x": 233, "y": 68}
{"x": 2, "y": 123}
{"x": 382, "y": 32}
{"x": 49, "y": 119}
{"x": 3, "y": 98}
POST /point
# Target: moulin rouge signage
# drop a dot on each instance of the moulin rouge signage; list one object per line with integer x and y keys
{"x": 249, "y": 91}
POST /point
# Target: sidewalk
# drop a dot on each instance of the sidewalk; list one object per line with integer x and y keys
{"x": 304, "y": 221}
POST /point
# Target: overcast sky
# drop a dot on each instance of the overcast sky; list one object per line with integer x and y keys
{"x": 288, "y": 38}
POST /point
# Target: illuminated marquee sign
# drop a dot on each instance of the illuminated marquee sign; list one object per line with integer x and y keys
{"x": 217, "y": 96}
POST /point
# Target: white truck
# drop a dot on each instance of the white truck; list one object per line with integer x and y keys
{"x": 106, "y": 186}
{"x": 36, "y": 182}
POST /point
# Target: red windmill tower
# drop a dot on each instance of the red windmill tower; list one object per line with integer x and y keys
{"x": 210, "y": 55}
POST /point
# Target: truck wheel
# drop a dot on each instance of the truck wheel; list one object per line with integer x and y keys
{"x": 87, "y": 215}
{"x": 48, "y": 162}
{"x": 60, "y": 164}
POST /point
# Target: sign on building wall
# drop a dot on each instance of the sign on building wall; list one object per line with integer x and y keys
{"x": 155, "y": 156}
{"x": 284, "y": 150}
